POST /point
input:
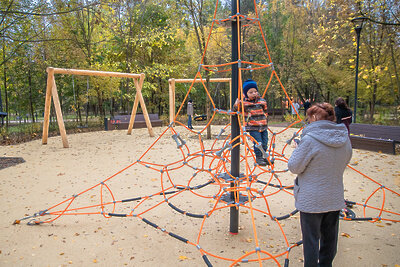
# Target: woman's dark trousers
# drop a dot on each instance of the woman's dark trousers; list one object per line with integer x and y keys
{"x": 320, "y": 236}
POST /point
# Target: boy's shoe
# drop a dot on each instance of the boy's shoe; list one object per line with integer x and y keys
{"x": 268, "y": 162}
{"x": 261, "y": 161}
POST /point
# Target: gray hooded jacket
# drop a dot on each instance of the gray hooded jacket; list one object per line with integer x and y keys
{"x": 319, "y": 161}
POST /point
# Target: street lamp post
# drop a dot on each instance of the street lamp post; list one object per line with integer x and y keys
{"x": 358, "y": 24}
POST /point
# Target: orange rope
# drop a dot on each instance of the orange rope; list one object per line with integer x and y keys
{"x": 205, "y": 161}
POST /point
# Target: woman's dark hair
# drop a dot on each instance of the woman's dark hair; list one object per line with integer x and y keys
{"x": 341, "y": 103}
{"x": 322, "y": 111}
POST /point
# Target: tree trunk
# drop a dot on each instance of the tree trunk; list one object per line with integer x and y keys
{"x": 396, "y": 72}
{"x": 5, "y": 81}
{"x": 372, "y": 103}
{"x": 30, "y": 94}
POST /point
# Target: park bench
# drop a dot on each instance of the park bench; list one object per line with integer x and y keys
{"x": 2, "y": 116}
{"x": 276, "y": 112}
{"x": 122, "y": 121}
{"x": 375, "y": 137}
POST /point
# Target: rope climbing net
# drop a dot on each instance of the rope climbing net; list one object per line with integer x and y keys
{"x": 201, "y": 169}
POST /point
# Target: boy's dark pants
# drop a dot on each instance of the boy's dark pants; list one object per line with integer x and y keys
{"x": 320, "y": 236}
{"x": 189, "y": 121}
{"x": 260, "y": 137}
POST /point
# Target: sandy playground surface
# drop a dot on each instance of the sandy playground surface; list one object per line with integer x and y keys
{"x": 51, "y": 174}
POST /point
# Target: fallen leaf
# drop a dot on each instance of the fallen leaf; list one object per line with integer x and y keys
{"x": 182, "y": 258}
{"x": 94, "y": 261}
{"x": 345, "y": 235}
{"x": 244, "y": 211}
{"x": 249, "y": 240}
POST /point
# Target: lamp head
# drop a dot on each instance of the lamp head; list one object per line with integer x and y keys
{"x": 359, "y": 22}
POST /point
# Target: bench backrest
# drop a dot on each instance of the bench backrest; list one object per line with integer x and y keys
{"x": 376, "y": 131}
{"x": 138, "y": 117}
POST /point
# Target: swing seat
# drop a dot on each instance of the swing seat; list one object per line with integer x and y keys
{"x": 122, "y": 121}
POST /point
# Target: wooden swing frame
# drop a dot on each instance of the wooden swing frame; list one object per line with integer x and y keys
{"x": 172, "y": 99}
{"x": 51, "y": 93}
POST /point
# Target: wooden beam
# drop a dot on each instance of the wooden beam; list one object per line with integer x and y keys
{"x": 215, "y": 80}
{"x": 95, "y": 73}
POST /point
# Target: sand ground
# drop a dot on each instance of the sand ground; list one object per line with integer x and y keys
{"x": 51, "y": 174}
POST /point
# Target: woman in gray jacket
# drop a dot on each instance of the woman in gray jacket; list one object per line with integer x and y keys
{"x": 319, "y": 162}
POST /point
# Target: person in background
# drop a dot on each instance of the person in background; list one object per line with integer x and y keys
{"x": 255, "y": 109}
{"x": 307, "y": 105}
{"x": 343, "y": 113}
{"x": 295, "y": 107}
{"x": 319, "y": 161}
{"x": 190, "y": 113}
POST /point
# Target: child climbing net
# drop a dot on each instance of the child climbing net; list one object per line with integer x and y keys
{"x": 200, "y": 168}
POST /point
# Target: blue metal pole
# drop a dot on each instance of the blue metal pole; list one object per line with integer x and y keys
{"x": 235, "y": 130}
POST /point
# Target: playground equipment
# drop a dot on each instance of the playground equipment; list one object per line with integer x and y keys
{"x": 211, "y": 170}
{"x": 51, "y": 93}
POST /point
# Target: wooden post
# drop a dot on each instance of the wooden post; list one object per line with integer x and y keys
{"x": 230, "y": 93}
{"x": 47, "y": 105}
{"x": 171, "y": 100}
{"x": 60, "y": 120}
{"x": 138, "y": 85}
{"x": 135, "y": 104}
{"x": 133, "y": 113}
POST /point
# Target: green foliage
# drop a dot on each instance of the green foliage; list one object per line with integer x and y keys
{"x": 311, "y": 44}
{"x": 293, "y": 118}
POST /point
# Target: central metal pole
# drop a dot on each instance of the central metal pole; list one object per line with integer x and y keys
{"x": 235, "y": 130}
{"x": 358, "y": 31}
